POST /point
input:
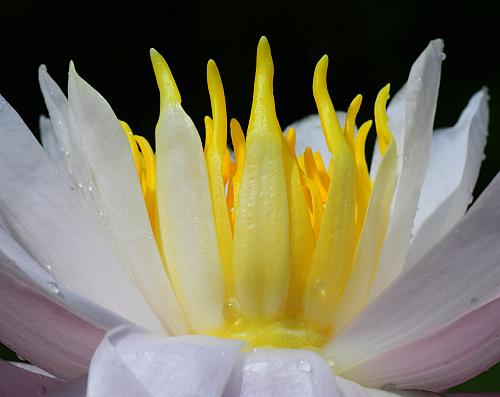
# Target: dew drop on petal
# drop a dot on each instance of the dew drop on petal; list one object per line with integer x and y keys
{"x": 232, "y": 310}
{"x": 330, "y": 361}
{"x": 304, "y": 365}
{"x": 53, "y": 287}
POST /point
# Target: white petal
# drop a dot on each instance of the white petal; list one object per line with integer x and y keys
{"x": 108, "y": 154}
{"x": 455, "y": 278}
{"x": 456, "y": 157}
{"x": 42, "y": 214}
{"x": 281, "y": 372}
{"x": 186, "y": 219}
{"x": 348, "y": 388}
{"x": 134, "y": 363}
{"x": 420, "y": 96}
{"x": 51, "y": 146}
{"x": 310, "y": 134}
{"x": 23, "y": 382}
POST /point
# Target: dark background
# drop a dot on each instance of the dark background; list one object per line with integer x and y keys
{"x": 369, "y": 43}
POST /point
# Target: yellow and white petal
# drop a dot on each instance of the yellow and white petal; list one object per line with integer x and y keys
{"x": 456, "y": 156}
{"x": 261, "y": 231}
{"x": 46, "y": 219}
{"x": 420, "y": 106}
{"x": 366, "y": 260}
{"x": 187, "y": 227}
{"x": 335, "y": 246}
{"x": 117, "y": 185}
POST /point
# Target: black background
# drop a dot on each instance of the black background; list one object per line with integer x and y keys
{"x": 369, "y": 44}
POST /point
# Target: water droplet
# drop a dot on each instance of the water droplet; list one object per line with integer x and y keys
{"x": 443, "y": 56}
{"x": 66, "y": 153}
{"x": 53, "y": 287}
{"x": 90, "y": 187}
{"x": 474, "y": 300}
{"x": 232, "y": 310}
{"x": 150, "y": 238}
{"x": 101, "y": 213}
{"x": 20, "y": 357}
{"x": 330, "y": 361}
{"x": 80, "y": 185}
{"x": 304, "y": 365}
{"x": 320, "y": 287}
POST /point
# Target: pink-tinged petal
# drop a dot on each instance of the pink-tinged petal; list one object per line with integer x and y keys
{"x": 18, "y": 381}
{"x": 281, "y": 372}
{"x": 420, "y": 98}
{"x": 43, "y": 332}
{"x": 40, "y": 211}
{"x": 456, "y": 157}
{"x": 130, "y": 362}
{"x": 445, "y": 358}
{"x": 25, "y": 325}
{"x": 439, "y": 294}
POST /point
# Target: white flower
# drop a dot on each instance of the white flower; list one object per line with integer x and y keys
{"x": 294, "y": 277}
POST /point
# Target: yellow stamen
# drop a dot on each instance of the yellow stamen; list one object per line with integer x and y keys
{"x": 215, "y": 149}
{"x": 261, "y": 260}
{"x": 335, "y": 246}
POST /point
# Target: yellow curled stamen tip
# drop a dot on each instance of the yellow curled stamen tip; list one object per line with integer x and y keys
{"x": 169, "y": 93}
{"x": 213, "y": 75}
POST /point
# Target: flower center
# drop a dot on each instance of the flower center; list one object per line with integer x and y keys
{"x": 291, "y": 228}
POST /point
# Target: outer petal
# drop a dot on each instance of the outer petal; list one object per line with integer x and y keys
{"x": 35, "y": 319}
{"x": 310, "y": 134}
{"x": 134, "y": 363}
{"x": 117, "y": 184}
{"x": 42, "y": 214}
{"x": 433, "y": 307}
{"x": 281, "y": 372}
{"x": 456, "y": 157}
{"x": 24, "y": 382}
{"x": 51, "y": 145}
{"x": 420, "y": 96}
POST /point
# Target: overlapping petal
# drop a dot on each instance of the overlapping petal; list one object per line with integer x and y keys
{"x": 435, "y": 307}
{"x": 456, "y": 157}
{"x": 41, "y": 213}
{"x": 420, "y": 98}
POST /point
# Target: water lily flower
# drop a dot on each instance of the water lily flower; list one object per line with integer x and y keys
{"x": 284, "y": 269}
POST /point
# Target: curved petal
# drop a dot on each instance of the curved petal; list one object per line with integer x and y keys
{"x": 310, "y": 134}
{"x": 445, "y": 358}
{"x": 435, "y": 297}
{"x": 420, "y": 95}
{"x": 42, "y": 214}
{"x": 43, "y": 322}
{"x": 131, "y": 362}
{"x": 281, "y": 372}
{"x": 23, "y": 382}
{"x": 108, "y": 154}
{"x": 456, "y": 157}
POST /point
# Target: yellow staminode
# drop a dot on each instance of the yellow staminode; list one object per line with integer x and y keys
{"x": 272, "y": 243}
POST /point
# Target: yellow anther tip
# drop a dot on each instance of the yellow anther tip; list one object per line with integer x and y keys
{"x": 169, "y": 93}
{"x": 264, "y": 51}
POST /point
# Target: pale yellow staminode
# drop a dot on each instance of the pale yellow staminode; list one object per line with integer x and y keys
{"x": 273, "y": 247}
